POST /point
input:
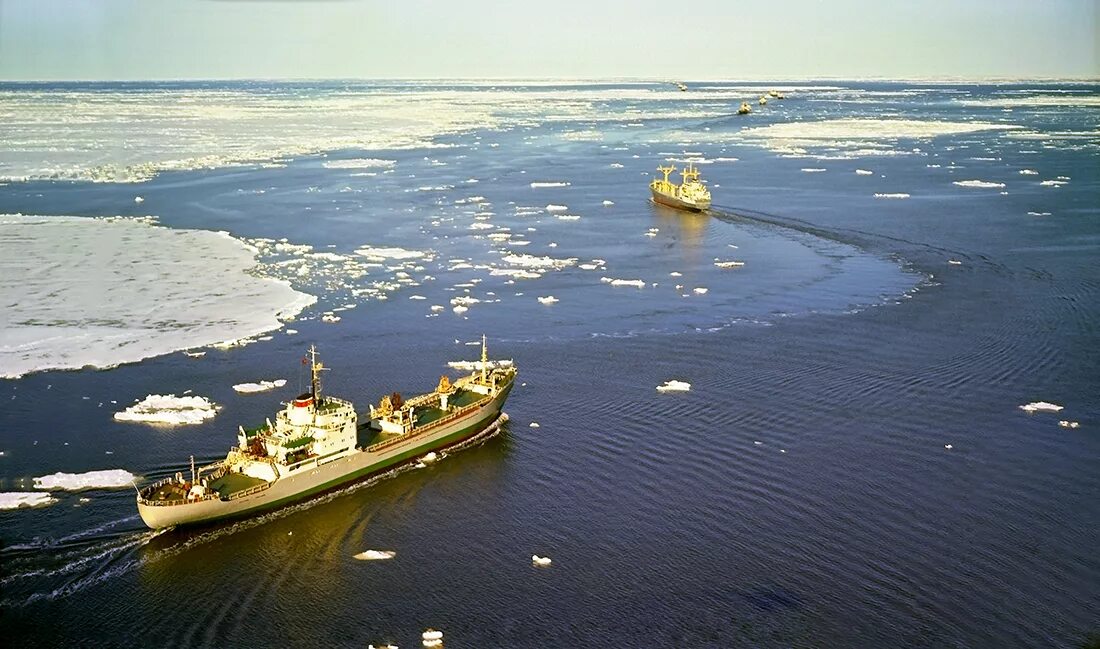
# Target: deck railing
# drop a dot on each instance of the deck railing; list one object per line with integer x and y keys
{"x": 457, "y": 414}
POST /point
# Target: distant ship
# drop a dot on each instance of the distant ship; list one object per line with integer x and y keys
{"x": 764, "y": 100}
{"x": 745, "y": 109}
{"x": 691, "y": 195}
{"x": 317, "y": 443}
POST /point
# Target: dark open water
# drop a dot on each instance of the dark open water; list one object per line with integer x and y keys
{"x": 800, "y": 495}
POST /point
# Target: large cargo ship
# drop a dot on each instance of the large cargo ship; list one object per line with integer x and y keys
{"x": 691, "y": 195}
{"x": 317, "y": 443}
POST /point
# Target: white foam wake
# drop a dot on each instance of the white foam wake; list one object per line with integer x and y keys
{"x": 120, "y": 290}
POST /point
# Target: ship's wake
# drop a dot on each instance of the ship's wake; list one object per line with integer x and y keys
{"x": 84, "y": 559}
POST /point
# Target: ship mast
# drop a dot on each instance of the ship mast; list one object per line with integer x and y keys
{"x": 315, "y": 371}
{"x": 484, "y": 359}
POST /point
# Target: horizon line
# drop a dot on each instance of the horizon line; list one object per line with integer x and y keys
{"x": 629, "y": 79}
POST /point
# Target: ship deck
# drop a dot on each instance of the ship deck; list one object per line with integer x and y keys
{"x": 460, "y": 399}
{"x": 231, "y": 483}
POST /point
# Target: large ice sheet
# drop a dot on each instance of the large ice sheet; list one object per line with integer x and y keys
{"x": 855, "y": 137}
{"x": 103, "y": 136}
{"x": 96, "y": 292}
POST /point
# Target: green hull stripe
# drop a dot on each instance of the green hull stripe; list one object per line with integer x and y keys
{"x": 454, "y": 437}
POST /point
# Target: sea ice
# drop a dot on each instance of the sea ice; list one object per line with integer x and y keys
{"x": 359, "y": 163}
{"x": 1052, "y": 183}
{"x": 895, "y": 195}
{"x": 549, "y": 299}
{"x": 169, "y": 409}
{"x": 556, "y": 208}
{"x": 864, "y": 172}
{"x": 25, "y": 499}
{"x": 383, "y": 253}
{"x": 537, "y": 185}
{"x": 107, "y": 300}
{"x": 700, "y": 290}
{"x": 262, "y": 386}
{"x": 1041, "y": 406}
{"x": 813, "y": 170}
{"x": 673, "y": 385}
{"x": 623, "y": 282}
{"x": 540, "y": 561}
{"x": 608, "y": 203}
{"x": 532, "y": 261}
{"x": 107, "y": 479}
{"x": 729, "y": 264}
{"x": 376, "y": 555}
{"x": 978, "y": 183}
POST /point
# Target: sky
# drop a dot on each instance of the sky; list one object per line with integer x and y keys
{"x": 697, "y": 39}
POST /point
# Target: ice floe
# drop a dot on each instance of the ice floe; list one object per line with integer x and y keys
{"x": 384, "y": 253}
{"x": 813, "y": 170}
{"x": 727, "y": 264}
{"x": 556, "y": 208}
{"x": 549, "y": 299}
{"x": 1041, "y": 406}
{"x": 978, "y": 183}
{"x": 673, "y": 385}
{"x": 637, "y": 283}
{"x": 108, "y": 301}
{"x": 608, "y": 203}
{"x": 699, "y": 290}
{"x": 894, "y": 195}
{"x": 169, "y": 409}
{"x": 1028, "y": 172}
{"x": 25, "y": 499}
{"x": 106, "y": 479}
{"x": 1065, "y": 423}
{"x": 262, "y": 386}
{"x": 375, "y": 555}
{"x": 1053, "y": 183}
{"x": 539, "y": 185}
{"x": 533, "y": 261}
{"x": 864, "y": 172}
{"x": 359, "y": 163}
{"x": 540, "y": 561}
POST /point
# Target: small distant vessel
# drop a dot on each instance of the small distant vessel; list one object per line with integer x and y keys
{"x": 745, "y": 109}
{"x": 775, "y": 94}
{"x": 763, "y": 101}
{"x": 317, "y": 443}
{"x": 691, "y": 195}
{"x": 681, "y": 86}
